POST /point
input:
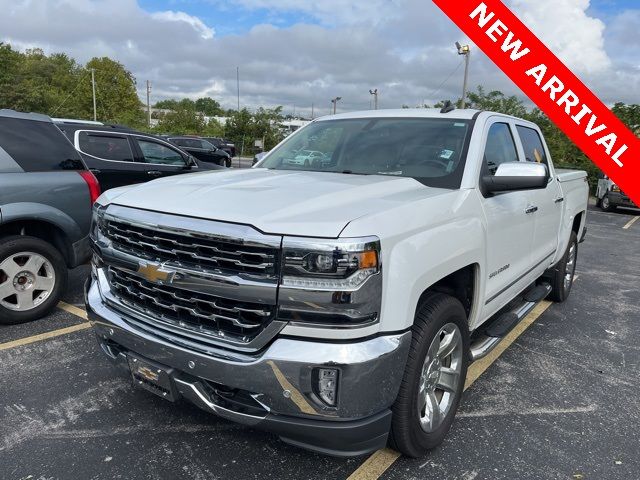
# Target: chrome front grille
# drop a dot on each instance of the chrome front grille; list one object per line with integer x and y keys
{"x": 191, "y": 312}
{"x": 199, "y": 282}
{"x": 191, "y": 249}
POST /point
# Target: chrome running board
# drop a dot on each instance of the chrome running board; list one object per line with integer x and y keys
{"x": 497, "y": 329}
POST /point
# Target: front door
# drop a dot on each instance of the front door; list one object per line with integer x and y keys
{"x": 509, "y": 228}
{"x": 159, "y": 159}
{"x": 547, "y": 203}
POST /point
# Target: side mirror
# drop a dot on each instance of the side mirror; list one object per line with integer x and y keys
{"x": 191, "y": 162}
{"x": 516, "y": 176}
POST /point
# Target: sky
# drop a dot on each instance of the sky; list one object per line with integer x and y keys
{"x": 296, "y": 53}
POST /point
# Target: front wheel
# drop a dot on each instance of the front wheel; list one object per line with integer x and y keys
{"x": 434, "y": 378}
{"x": 33, "y": 276}
{"x": 562, "y": 276}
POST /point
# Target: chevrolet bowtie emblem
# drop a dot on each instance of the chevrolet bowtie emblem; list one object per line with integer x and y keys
{"x": 155, "y": 273}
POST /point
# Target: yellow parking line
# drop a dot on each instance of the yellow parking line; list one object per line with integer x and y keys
{"x": 44, "y": 336}
{"x": 77, "y": 311}
{"x": 380, "y": 461}
{"x": 631, "y": 222}
{"x": 374, "y": 466}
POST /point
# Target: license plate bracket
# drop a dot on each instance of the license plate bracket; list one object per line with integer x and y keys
{"x": 152, "y": 377}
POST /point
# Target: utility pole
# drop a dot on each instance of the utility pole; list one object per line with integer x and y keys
{"x": 375, "y": 97}
{"x": 466, "y": 51}
{"x": 238, "y": 83}
{"x": 148, "y": 104}
{"x": 312, "y": 106}
{"x": 93, "y": 87}
{"x": 335, "y": 101}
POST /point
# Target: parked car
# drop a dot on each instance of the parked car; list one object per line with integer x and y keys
{"x": 307, "y": 158}
{"x": 46, "y": 194}
{"x": 119, "y": 156}
{"x": 258, "y": 158}
{"x": 202, "y": 150}
{"x": 226, "y": 145}
{"x": 339, "y": 306}
{"x": 609, "y": 196}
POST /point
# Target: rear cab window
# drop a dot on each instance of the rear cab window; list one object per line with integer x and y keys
{"x": 532, "y": 144}
{"x": 105, "y": 146}
{"x": 38, "y": 146}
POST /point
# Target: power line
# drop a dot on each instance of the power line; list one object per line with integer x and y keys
{"x": 437, "y": 90}
{"x": 69, "y": 96}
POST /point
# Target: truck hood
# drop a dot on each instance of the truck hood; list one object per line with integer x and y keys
{"x": 316, "y": 204}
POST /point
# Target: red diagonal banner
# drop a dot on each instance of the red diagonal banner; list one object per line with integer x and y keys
{"x": 551, "y": 85}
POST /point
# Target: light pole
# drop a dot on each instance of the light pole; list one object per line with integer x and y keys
{"x": 466, "y": 51}
{"x": 93, "y": 88}
{"x": 335, "y": 103}
{"x": 375, "y": 97}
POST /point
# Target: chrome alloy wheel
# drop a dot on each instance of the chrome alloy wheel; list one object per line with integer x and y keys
{"x": 440, "y": 377}
{"x": 26, "y": 280}
{"x": 570, "y": 267}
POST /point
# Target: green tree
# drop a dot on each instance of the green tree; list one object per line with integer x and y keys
{"x": 182, "y": 119}
{"x": 116, "y": 96}
{"x": 496, "y": 101}
{"x": 244, "y": 128}
{"x": 209, "y": 107}
{"x": 629, "y": 114}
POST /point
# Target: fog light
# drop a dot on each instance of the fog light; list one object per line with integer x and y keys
{"x": 327, "y": 385}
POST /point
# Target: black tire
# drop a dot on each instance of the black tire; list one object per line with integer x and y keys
{"x": 560, "y": 290}
{"x": 407, "y": 435}
{"x": 605, "y": 204}
{"x": 16, "y": 244}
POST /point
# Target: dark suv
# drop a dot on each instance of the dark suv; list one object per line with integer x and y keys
{"x": 120, "y": 156}
{"x": 226, "y": 145}
{"x": 46, "y": 194}
{"x": 202, "y": 150}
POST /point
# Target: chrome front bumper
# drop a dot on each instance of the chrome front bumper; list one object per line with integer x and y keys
{"x": 279, "y": 379}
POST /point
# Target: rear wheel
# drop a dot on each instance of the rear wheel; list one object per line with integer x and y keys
{"x": 605, "y": 204}
{"x": 562, "y": 276}
{"x": 33, "y": 276}
{"x": 433, "y": 380}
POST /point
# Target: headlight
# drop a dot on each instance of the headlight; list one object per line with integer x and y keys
{"x": 97, "y": 221}
{"x": 330, "y": 264}
{"x": 331, "y": 283}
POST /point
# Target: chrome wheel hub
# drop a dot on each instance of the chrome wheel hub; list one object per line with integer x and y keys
{"x": 440, "y": 377}
{"x": 26, "y": 280}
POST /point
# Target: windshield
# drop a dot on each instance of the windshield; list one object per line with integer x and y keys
{"x": 427, "y": 149}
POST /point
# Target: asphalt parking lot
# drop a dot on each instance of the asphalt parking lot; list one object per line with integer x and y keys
{"x": 558, "y": 400}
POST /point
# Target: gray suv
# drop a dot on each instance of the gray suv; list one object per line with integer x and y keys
{"x": 46, "y": 194}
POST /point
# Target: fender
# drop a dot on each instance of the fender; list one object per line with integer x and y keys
{"x": 44, "y": 213}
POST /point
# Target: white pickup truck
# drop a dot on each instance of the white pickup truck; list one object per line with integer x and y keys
{"x": 338, "y": 304}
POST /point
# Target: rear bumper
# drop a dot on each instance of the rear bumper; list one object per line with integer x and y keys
{"x": 619, "y": 199}
{"x": 279, "y": 380}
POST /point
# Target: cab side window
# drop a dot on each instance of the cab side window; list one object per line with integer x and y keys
{"x": 160, "y": 154}
{"x": 500, "y": 147}
{"x": 532, "y": 144}
{"x": 105, "y": 146}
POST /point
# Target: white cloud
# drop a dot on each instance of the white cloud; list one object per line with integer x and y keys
{"x": 402, "y": 47}
{"x": 333, "y": 12}
{"x": 197, "y": 24}
{"x": 566, "y": 28}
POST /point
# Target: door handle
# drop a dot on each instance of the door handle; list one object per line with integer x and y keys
{"x": 95, "y": 170}
{"x": 531, "y": 209}
{"x": 559, "y": 200}
{"x": 154, "y": 173}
